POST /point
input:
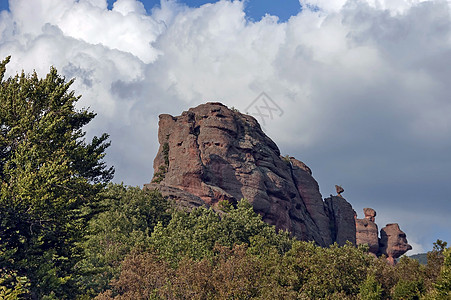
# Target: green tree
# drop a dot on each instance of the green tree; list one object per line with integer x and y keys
{"x": 334, "y": 272}
{"x": 232, "y": 273}
{"x": 408, "y": 290}
{"x": 435, "y": 261}
{"x": 195, "y": 234}
{"x": 12, "y": 286}
{"x": 410, "y": 276}
{"x": 129, "y": 217}
{"x": 49, "y": 178}
{"x": 370, "y": 289}
{"x": 442, "y": 287}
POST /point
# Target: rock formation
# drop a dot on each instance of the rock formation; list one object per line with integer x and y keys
{"x": 342, "y": 220}
{"x": 215, "y": 153}
{"x": 339, "y": 190}
{"x": 367, "y": 232}
{"x": 180, "y": 198}
{"x": 211, "y": 153}
{"x": 392, "y": 242}
{"x": 308, "y": 189}
{"x": 370, "y": 214}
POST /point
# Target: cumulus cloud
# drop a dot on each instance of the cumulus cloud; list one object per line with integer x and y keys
{"x": 363, "y": 85}
{"x": 332, "y": 6}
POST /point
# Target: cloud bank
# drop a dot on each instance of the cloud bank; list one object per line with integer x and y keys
{"x": 364, "y": 86}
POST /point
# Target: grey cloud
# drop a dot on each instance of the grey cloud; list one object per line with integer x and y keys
{"x": 126, "y": 90}
{"x": 85, "y": 75}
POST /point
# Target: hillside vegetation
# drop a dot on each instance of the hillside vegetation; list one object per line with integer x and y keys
{"x": 421, "y": 257}
{"x": 66, "y": 232}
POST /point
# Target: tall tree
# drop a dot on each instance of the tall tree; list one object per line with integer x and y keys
{"x": 49, "y": 178}
{"x": 129, "y": 217}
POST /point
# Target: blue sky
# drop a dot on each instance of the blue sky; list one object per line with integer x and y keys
{"x": 254, "y": 9}
{"x": 364, "y": 88}
{"x": 3, "y": 4}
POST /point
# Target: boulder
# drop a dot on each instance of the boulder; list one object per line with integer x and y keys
{"x": 370, "y": 214}
{"x": 393, "y": 242}
{"x": 339, "y": 190}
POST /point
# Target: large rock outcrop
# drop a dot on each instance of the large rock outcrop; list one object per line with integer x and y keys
{"x": 392, "y": 242}
{"x": 212, "y": 153}
{"x": 216, "y": 153}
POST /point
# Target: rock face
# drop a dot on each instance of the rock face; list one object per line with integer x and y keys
{"x": 211, "y": 153}
{"x": 308, "y": 189}
{"x": 393, "y": 242}
{"x": 216, "y": 153}
{"x": 181, "y": 199}
{"x": 342, "y": 219}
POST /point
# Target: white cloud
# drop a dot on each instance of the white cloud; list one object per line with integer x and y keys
{"x": 126, "y": 7}
{"x": 325, "y": 5}
{"x": 364, "y": 85}
{"x": 102, "y": 4}
{"x": 334, "y": 6}
{"x": 416, "y": 248}
{"x": 126, "y": 28}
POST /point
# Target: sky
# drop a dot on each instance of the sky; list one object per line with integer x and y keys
{"x": 360, "y": 88}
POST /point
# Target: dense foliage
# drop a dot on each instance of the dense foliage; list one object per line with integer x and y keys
{"x": 65, "y": 233}
{"x": 208, "y": 255}
{"x": 128, "y": 219}
{"x": 306, "y": 271}
{"x": 195, "y": 234}
{"x": 50, "y": 177}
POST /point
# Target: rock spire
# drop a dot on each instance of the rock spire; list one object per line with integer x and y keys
{"x": 392, "y": 242}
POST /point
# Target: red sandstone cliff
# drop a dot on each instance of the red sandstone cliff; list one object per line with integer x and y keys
{"x": 212, "y": 153}
{"x": 215, "y": 153}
